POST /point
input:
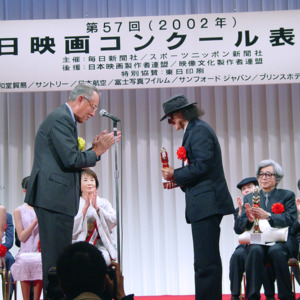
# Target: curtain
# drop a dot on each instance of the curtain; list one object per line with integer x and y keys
{"x": 252, "y": 123}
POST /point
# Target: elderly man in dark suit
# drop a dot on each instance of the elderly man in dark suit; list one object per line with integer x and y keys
{"x": 278, "y": 207}
{"x": 202, "y": 179}
{"x": 54, "y": 186}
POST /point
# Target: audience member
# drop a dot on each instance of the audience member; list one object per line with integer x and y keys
{"x": 295, "y": 230}
{"x": 296, "y": 226}
{"x": 237, "y": 260}
{"x": 7, "y": 242}
{"x": 95, "y": 218}
{"x": 83, "y": 274}
{"x": 28, "y": 264}
{"x": 2, "y": 221}
{"x": 278, "y": 207}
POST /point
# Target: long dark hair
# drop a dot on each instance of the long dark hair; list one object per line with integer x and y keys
{"x": 191, "y": 112}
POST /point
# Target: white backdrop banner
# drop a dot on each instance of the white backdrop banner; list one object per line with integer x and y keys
{"x": 151, "y": 52}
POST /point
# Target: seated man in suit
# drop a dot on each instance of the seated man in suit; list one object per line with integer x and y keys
{"x": 295, "y": 230}
{"x": 296, "y": 227}
{"x": 277, "y": 206}
{"x": 7, "y": 241}
{"x": 237, "y": 260}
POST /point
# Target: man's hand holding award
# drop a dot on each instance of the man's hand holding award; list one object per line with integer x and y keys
{"x": 167, "y": 171}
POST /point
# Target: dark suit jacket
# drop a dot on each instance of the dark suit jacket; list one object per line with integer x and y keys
{"x": 55, "y": 178}
{"x": 9, "y": 232}
{"x": 203, "y": 179}
{"x": 287, "y": 218}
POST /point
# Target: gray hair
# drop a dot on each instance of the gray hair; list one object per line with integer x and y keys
{"x": 277, "y": 168}
{"x": 85, "y": 90}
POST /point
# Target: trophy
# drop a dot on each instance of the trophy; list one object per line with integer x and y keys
{"x": 165, "y": 162}
{"x": 164, "y": 157}
{"x": 255, "y": 201}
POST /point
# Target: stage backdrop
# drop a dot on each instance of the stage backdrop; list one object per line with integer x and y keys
{"x": 253, "y": 122}
{"x": 151, "y": 52}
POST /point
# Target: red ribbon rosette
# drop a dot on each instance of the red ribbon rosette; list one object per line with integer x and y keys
{"x": 39, "y": 244}
{"x": 3, "y": 250}
{"x": 277, "y": 208}
{"x": 181, "y": 153}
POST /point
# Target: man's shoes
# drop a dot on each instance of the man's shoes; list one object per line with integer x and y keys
{"x": 270, "y": 298}
{"x": 235, "y": 298}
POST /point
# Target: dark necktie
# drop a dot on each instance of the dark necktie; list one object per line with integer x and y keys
{"x": 267, "y": 200}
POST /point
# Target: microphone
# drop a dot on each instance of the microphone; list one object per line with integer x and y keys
{"x": 104, "y": 113}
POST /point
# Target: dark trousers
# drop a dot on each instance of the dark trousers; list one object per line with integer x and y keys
{"x": 207, "y": 259}
{"x": 55, "y": 230}
{"x": 237, "y": 269}
{"x": 256, "y": 258}
{"x": 9, "y": 260}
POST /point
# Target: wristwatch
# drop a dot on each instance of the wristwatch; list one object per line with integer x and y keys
{"x": 269, "y": 217}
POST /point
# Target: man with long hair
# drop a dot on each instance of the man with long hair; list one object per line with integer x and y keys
{"x": 202, "y": 179}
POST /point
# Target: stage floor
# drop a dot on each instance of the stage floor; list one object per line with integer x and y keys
{"x": 188, "y": 297}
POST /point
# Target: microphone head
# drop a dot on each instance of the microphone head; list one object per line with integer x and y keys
{"x": 102, "y": 112}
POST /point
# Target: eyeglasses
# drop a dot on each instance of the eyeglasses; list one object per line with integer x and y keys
{"x": 94, "y": 107}
{"x": 267, "y": 175}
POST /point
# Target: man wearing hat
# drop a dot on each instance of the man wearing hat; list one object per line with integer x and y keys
{"x": 202, "y": 179}
{"x": 237, "y": 260}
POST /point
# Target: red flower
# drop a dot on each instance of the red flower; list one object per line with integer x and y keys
{"x": 181, "y": 153}
{"x": 39, "y": 244}
{"x": 3, "y": 250}
{"x": 277, "y": 208}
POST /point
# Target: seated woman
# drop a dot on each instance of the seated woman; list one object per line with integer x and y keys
{"x": 28, "y": 264}
{"x": 95, "y": 218}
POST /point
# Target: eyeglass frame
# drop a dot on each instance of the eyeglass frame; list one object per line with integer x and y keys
{"x": 267, "y": 175}
{"x": 93, "y": 106}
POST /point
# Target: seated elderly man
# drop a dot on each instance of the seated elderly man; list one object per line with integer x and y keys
{"x": 278, "y": 207}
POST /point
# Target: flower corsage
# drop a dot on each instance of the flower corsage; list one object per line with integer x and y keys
{"x": 181, "y": 154}
{"x": 3, "y": 250}
{"x": 81, "y": 143}
{"x": 277, "y": 208}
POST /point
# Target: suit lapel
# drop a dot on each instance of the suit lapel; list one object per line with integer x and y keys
{"x": 187, "y": 131}
{"x": 67, "y": 111}
{"x": 186, "y": 134}
{"x": 76, "y": 133}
